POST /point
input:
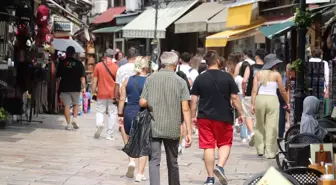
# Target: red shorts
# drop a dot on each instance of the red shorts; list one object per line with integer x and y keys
{"x": 213, "y": 132}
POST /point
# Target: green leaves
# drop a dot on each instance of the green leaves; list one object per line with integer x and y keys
{"x": 303, "y": 19}
{"x": 4, "y": 115}
{"x": 295, "y": 65}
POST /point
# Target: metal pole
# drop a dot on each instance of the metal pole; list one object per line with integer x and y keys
{"x": 155, "y": 41}
{"x": 299, "y": 91}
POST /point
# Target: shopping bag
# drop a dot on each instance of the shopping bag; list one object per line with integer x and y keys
{"x": 323, "y": 156}
{"x": 138, "y": 144}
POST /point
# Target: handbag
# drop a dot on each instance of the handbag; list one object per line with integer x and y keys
{"x": 323, "y": 156}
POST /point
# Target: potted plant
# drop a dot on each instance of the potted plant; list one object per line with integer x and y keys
{"x": 4, "y": 116}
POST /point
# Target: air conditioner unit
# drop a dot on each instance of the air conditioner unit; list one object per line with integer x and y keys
{"x": 132, "y": 5}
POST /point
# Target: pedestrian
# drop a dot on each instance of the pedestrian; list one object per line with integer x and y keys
{"x": 247, "y": 86}
{"x": 123, "y": 73}
{"x": 309, "y": 124}
{"x": 185, "y": 67}
{"x": 215, "y": 90}
{"x": 70, "y": 82}
{"x": 265, "y": 105}
{"x": 244, "y": 134}
{"x": 246, "y": 57}
{"x": 131, "y": 89}
{"x": 104, "y": 77}
{"x": 203, "y": 67}
{"x": 166, "y": 94}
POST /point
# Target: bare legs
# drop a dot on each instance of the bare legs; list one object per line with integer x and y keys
{"x": 209, "y": 158}
{"x": 67, "y": 113}
{"x": 250, "y": 125}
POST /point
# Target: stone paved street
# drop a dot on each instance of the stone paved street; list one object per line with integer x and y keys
{"x": 46, "y": 154}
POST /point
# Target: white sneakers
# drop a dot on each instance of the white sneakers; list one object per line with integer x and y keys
{"x": 140, "y": 178}
{"x": 73, "y": 125}
{"x": 130, "y": 170}
{"x": 130, "y": 173}
{"x": 68, "y": 127}
{"x": 110, "y": 138}
{"x": 100, "y": 129}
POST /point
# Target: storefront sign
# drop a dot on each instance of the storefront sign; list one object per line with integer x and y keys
{"x": 317, "y": 1}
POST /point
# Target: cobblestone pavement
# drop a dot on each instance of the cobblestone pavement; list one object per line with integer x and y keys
{"x": 46, "y": 154}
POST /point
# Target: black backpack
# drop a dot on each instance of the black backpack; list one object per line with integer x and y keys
{"x": 183, "y": 76}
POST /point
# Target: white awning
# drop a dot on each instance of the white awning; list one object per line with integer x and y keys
{"x": 196, "y": 20}
{"x": 217, "y": 23}
{"x": 143, "y": 26}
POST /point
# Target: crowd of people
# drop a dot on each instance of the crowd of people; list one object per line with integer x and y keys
{"x": 203, "y": 94}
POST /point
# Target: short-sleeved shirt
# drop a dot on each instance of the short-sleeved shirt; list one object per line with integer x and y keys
{"x": 70, "y": 71}
{"x": 164, "y": 92}
{"x": 124, "y": 72}
{"x": 186, "y": 69}
{"x": 214, "y": 103}
{"x": 105, "y": 81}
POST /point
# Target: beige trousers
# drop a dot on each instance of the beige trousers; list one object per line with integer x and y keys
{"x": 267, "y": 121}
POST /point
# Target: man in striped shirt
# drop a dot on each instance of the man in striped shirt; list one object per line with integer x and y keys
{"x": 165, "y": 94}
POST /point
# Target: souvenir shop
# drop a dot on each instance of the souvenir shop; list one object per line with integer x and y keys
{"x": 28, "y": 59}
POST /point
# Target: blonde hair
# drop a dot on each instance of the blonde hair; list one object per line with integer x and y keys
{"x": 140, "y": 63}
{"x": 195, "y": 62}
{"x": 265, "y": 76}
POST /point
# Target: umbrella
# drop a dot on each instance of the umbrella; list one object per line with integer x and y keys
{"x": 63, "y": 44}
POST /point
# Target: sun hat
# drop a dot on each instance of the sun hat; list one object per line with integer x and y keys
{"x": 270, "y": 61}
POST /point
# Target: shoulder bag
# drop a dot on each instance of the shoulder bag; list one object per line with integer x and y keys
{"x": 220, "y": 92}
{"x": 108, "y": 70}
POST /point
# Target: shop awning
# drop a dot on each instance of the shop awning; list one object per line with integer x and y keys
{"x": 242, "y": 13}
{"x": 109, "y": 15}
{"x": 196, "y": 20}
{"x": 221, "y": 39}
{"x": 276, "y": 29}
{"x": 111, "y": 29}
{"x": 143, "y": 26}
{"x": 218, "y": 22}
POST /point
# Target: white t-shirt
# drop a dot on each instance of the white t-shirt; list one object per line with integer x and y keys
{"x": 124, "y": 72}
{"x": 186, "y": 69}
{"x": 239, "y": 81}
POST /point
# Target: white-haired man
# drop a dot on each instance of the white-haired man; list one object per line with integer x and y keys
{"x": 165, "y": 94}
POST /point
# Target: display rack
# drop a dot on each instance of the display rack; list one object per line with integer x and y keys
{"x": 332, "y": 85}
{"x": 315, "y": 82}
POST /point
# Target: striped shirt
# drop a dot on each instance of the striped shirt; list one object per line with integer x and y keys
{"x": 164, "y": 92}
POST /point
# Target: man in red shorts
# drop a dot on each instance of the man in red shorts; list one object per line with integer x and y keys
{"x": 215, "y": 90}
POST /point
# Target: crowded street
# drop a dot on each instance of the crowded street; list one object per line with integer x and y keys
{"x": 46, "y": 154}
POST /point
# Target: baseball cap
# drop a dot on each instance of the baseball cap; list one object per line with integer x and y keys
{"x": 109, "y": 53}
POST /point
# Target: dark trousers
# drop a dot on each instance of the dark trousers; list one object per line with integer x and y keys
{"x": 282, "y": 116}
{"x": 282, "y": 121}
{"x": 171, "y": 148}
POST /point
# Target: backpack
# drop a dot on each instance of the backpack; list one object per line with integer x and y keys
{"x": 183, "y": 76}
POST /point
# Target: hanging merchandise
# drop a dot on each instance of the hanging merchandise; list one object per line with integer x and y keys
{"x": 90, "y": 48}
{"x": 43, "y": 27}
{"x": 24, "y": 11}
